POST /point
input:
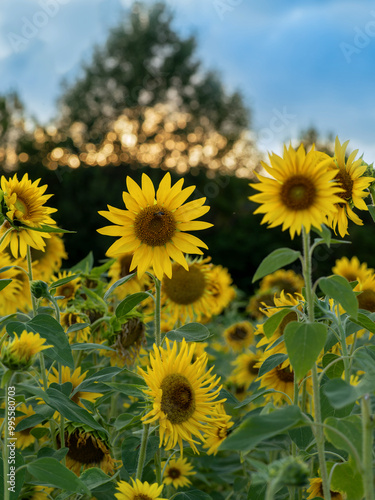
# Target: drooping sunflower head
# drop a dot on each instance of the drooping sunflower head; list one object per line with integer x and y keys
{"x": 299, "y": 192}
{"x": 48, "y": 261}
{"x": 182, "y": 393}
{"x": 177, "y": 472}
{"x": 87, "y": 448}
{"x": 138, "y": 491}
{"x": 366, "y": 299}
{"x": 349, "y": 174}
{"x": 154, "y": 224}
{"x": 219, "y": 431}
{"x": 282, "y": 280}
{"x": 316, "y": 490}
{"x": 18, "y": 354}
{"x": 239, "y": 335}
{"x": 127, "y": 342}
{"x": 352, "y": 269}
{"x": 24, "y": 203}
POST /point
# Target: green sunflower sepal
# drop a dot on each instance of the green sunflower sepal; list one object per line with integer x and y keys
{"x": 40, "y": 289}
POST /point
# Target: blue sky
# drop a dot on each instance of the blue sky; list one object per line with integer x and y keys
{"x": 297, "y": 63}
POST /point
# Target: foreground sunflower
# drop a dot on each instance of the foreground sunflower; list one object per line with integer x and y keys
{"x": 25, "y": 208}
{"x": 153, "y": 226}
{"x": 352, "y": 269}
{"x": 183, "y": 394}
{"x": 138, "y": 491}
{"x": 299, "y": 193}
{"x": 349, "y": 176}
{"x": 177, "y": 471}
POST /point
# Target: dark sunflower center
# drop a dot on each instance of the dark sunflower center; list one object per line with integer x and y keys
{"x": 178, "y": 398}
{"x": 298, "y": 193}
{"x": 154, "y": 226}
{"x": 125, "y": 265}
{"x": 142, "y": 496}
{"x": 66, "y": 290}
{"x": 86, "y": 452}
{"x": 286, "y": 285}
{"x": 285, "y": 374}
{"x": 222, "y": 432}
{"x": 185, "y": 287}
{"x": 349, "y": 276}
{"x": 26, "y": 432}
{"x": 292, "y": 316}
{"x": 251, "y": 367}
{"x": 366, "y": 300}
{"x": 174, "y": 473}
{"x": 335, "y": 495}
{"x": 239, "y": 333}
{"x": 345, "y": 182}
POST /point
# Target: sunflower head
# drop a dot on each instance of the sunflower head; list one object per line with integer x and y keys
{"x": 154, "y": 223}
{"x": 68, "y": 290}
{"x": 138, "y": 491}
{"x": 127, "y": 341}
{"x": 18, "y": 354}
{"x": 316, "y": 490}
{"x": 239, "y": 335}
{"x": 75, "y": 377}
{"x": 366, "y": 299}
{"x": 246, "y": 368}
{"x": 219, "y": 430}
{"x": 299, "y": 192}
{"x": 177, "y": 472}
{"x": 282, "y": 280}
{"x": 352, "y": 269}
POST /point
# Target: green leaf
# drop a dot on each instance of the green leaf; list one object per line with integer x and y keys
{"x": 71, "y": 410}
{"x": 126, "y": 420}
{"x": 271, "y": 362}
{"x": 99, "y": 270}
{"x": 350, "y": 427}
{"x": 274, "y": 261}
{"x": 104, "y": 375}
{"x": 118, "y": 283}
{"x": 364, "y": 321}
{"x": 272, "y": 323}
{"x": 85, "y": 265}
{"x": 346, "y": 479}
{"x": 19, "y": 479}
{"x": 257, "y": 428}
{"x": 44, "y": 228}
{"x": 50, "y": 472}
{"x": 302, "y": 436}
{"x": 130, "y": 302}
{"x": 77, "y": 326}
{"x": 128, "y": 389}
{"x": 89, "y": 347}
{"x": 63, "y": 281}
{"x": 338, "y": 288}
{"x": 28, "y": 422}
{"x": 130, "y": 451}
{"x": 192, "y": 495}
{"x": 340, "y": 393}
{"x": 371, "y": 209}
{"x": 192, "y": 332}
{"x": 328, "y": 410}
{"x": 94, "y": 477}
{"x": 335, "y": 371}
{"x": 4, "y": 283}
{"x": 304, "y": 342}
{"x": 324, "y": 233}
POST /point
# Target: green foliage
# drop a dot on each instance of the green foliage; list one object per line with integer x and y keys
{"x": 274, "y": 261}
{"x": 339, "y": 290}
{"x": 192, "y": 332}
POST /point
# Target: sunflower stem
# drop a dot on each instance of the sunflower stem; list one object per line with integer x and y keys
{"x": 367, "y": 444}
{"x": 30, "y": 275}
{"x": 142, "y": 452}
{"x": 45, "y": 387}
{"x": 318, "y": 429}
{"x": 343, "y": 344}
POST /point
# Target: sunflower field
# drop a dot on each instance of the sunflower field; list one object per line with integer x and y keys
{"x": 151, "y": 376}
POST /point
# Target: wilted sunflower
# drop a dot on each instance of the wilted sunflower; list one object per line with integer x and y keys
{"x": 127, "y": 342}
{"x": 121, "y": 268}
{"x": 245, "y": 368}
{"x": 138, "y": 491}
{"x": 75, "y": 378}
{"x": 177, "y": 472}
{"x": 282, "y": 280}
{"x": 9, "y": 296}
{"x": 349, "y": 176}
{"x": 187, "y": 296}
{"x": 87, "y": 448}
{"x": 316, "y": 490}
{"x": 299, "y": 193}
{"x": 239, "y": 335}
{"x": 24, "y": 208}
{"x": 183, "y": 394}
{"x": 24, "y": 437}
{"x": 218, "y": 432}
{"x": 18, "y": 354}
{"x": 48, "y": 261}
{"x": 366, "y": 299}
{"x": 68, "y": 290}
{"x": 153, "y": 227}
{"x": 352, "y": 269}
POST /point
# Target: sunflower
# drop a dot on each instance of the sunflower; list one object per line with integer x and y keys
{"x": 121, "y": 268}
{"x": 34, "y": 492}
{"x": 239, "y": 335}
{"x": 68, "y": 290}
{"x": 183, "y": 394}
{"x": 299, "y": 193}
{"x": 24, "y": 208}
{"x": 127, "y": 343}
{"x": 69, "y": 318}
{"x": 349, "y": 176}
{"x": 220, "y": 285}
{"x": 18, "y": 354}
{"x": 87, "y": 448}
{"x": 219, "y": 431}
{"x": 316, "y": 490}
{"x": 352, "y": 269}
{"x": 24, "y": 303}
{"x": 187, "y": 296}
{"x": 9, "y": 295}
{"x": 138, "y": 491}
{"x": 258, "y": 301}
{"x": 24, "y": 437}
{"x": 366, "y": 299}
{"x": 288, "y": 300}
{"x": 48, "y": 261}
{"x": 154, "y": 227}
{"x": 245, "y": 368}
{"x": 280, "y": 379}
{"x": 177, "y": 472}
{"x": 281, "y": 280}
{"x": 75, "y": 378}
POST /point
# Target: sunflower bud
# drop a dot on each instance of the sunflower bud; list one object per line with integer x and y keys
{"x": 18, "y": 354}
{"x": 39, "y": 289}
{"x": 290, "y": 471}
